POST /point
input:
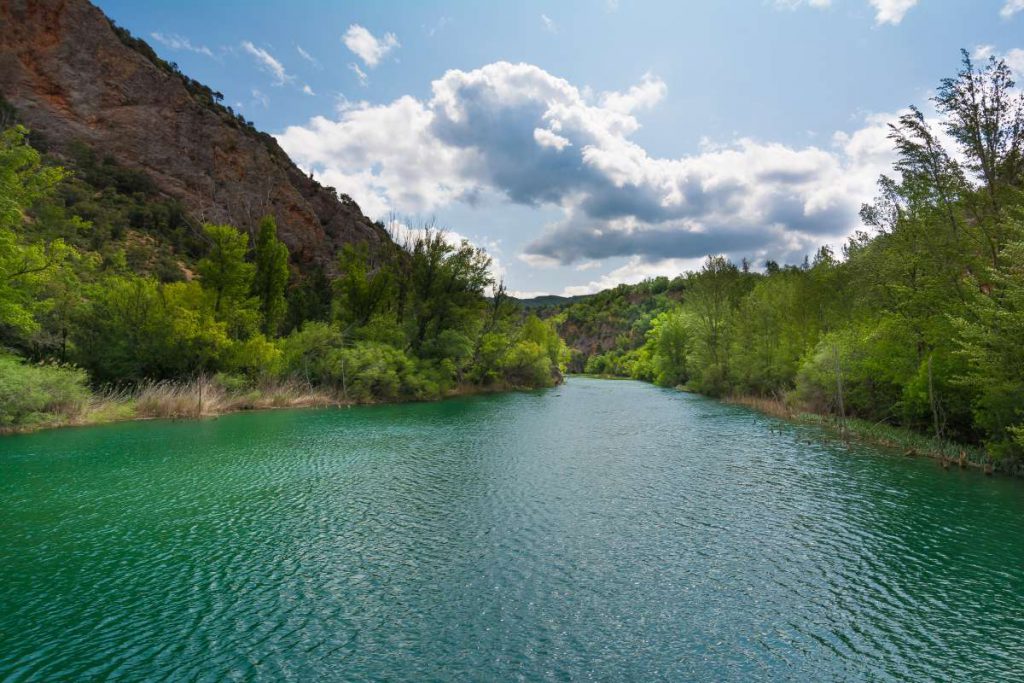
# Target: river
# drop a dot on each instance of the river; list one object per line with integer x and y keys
{"x": 604, "y": 530}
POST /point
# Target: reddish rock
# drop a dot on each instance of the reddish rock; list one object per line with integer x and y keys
{"x": 72, "y": 78}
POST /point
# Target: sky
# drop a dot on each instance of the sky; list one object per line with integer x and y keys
{"x": 585, "y": 143}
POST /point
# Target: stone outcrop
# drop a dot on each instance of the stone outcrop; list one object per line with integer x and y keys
{"x": 74, "y": 77}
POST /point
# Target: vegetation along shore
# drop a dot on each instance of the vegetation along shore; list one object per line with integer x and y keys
{"x": 916, "y": 328}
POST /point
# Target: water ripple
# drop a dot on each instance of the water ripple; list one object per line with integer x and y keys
{"x": 605, "y": 530}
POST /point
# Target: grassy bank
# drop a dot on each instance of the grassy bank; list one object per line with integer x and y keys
{"x": 901, "y": 439}
{"x": 202, "y": 398}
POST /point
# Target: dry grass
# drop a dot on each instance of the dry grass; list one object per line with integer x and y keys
{"x": 775, "y": 407}
{"x": 202, "y": 397}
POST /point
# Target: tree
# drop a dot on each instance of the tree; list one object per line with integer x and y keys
{"x": 270, "y": 279}
{"x": 712, "y": 295}
{"x": 24, "y": 262}
{"x": 990, "y": 341}
{"x": 224, "y": 270}
{"x": 362, "y": 292}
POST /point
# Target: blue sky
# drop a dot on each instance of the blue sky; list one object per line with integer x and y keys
{"x": 585, "y": 143}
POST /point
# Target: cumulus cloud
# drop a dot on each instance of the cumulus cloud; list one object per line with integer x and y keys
{"x": 176, "y": 42}
{"x": 307, "y": 90}
{"x": 268, "y": 62}
{"x": 1011, "y": 7}
{"x": 368, "y": 47}
{"x": 537, "y": 139}
{"x": 891, "y": 11}
{"x": 646, "y": 94}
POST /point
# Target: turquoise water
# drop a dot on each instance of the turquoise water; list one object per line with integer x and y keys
{"x": 601, "y": 530}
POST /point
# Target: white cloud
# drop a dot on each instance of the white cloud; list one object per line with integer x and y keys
{"x": 611, "y": 5}
{"x": 793, "y": 4}
{"x": 1014, "y": 58}
{"x": 260, "y": 98}
{"x": 1011, "y": 7}
{"x": 307, "y": 90}
{"x": 384, "y": 156}
{"x": 636, "y": 270}
{"x": 368, "y": 47}
{"x": 548, "y": 24}
{"x": 645, "y": 95}
{"x": 886, "y": 11}
{"x": 983, "y": 51}
{"x": 547, "y": 138}
{"x": 360, "y": 74}
{"x": 538, "y": 140}
{"x": 308, "y": 57}
{"x": 176, "y": 42}
{"x": 891, "y": 11}
{"x": 268, "y": 61}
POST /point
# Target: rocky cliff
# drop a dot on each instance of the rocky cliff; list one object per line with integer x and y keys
{"x": 74, "y": 77}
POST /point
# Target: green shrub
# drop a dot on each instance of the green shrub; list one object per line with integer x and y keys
{"x": 30, "y": 394}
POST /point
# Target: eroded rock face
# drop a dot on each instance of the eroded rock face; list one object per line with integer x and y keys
{"x": 72, "y": 78}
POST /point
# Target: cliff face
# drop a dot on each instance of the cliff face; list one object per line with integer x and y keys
{"x": 75, "y": 79}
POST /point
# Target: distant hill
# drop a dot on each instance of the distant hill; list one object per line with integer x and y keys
{"x": 550, "y": 300}
{"x": 611, "y": 320}
{"x": 76, "y": 79}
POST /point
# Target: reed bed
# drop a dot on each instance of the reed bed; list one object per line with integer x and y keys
{"x": 203, "y": 397}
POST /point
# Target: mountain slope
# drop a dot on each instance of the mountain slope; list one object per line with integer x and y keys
{"x": 76, "y": 78}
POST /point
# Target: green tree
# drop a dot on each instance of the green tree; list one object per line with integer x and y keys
{"x": 363, "y": 290}
{"x": 270, "y": 279}
{"x": 25, "y": 263}
{"x": 224, "y": 270}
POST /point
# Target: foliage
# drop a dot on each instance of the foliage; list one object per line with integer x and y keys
{"x": 270, "y": 280}
{"x": 34, "y": 393}
{"x": 920, "y": 325}
{"x": 25, "y": 260}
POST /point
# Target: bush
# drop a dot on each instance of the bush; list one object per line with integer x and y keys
{"x": 528, "y": 365}
{"x": 30, "y": 394}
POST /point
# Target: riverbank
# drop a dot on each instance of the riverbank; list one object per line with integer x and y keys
{"x": 205, "y": 398}
{"x": 901, "y": 439}
{"x": 908, "y": 442}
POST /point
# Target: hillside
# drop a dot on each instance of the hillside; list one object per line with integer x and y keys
{"x": 611, "y": 321}
{"x": 75, "y": 79}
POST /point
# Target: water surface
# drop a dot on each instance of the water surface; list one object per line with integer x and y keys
{"x": 601, "y": 530}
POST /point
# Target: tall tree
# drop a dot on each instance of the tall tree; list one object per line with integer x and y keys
{"x": 24, "y": 262}
{"x": 270, "y": 279}
{"x": 224, "y": 270}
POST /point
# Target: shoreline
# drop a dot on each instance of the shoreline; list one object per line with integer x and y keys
{"x": 899, "y": 439}
{"x": 105, "y": 410}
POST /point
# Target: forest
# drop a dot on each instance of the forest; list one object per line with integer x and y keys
{"x": 919, "y": 322}
{"x": 114, "y": 304}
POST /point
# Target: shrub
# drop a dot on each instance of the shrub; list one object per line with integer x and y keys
{"x": 30, "y": 394}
